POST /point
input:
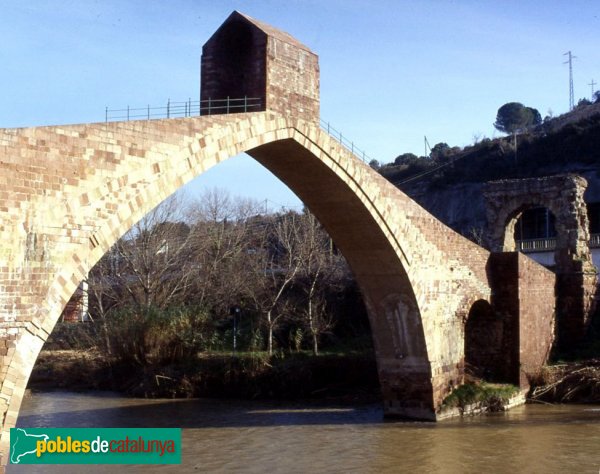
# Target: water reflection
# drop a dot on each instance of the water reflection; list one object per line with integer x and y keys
{"x": 258, "y": 437}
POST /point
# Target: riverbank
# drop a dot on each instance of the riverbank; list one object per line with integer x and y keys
{"x": 569, "y": 382}
{"x": 351, "y": 377}
{"x": 344, "y": 377}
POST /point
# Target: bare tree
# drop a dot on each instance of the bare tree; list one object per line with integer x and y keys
{"x": 219, "y": 253}
{"x": 272, "y": 270}
{"x": 102, "y": 293}
{"x": 150, "y": 265}
{"x": 322, "y": 271}
{"x": 223, "y": 235}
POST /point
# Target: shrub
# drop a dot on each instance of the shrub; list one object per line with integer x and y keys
{"x": 74, "y": 336}
{"x": 152, "y": 335}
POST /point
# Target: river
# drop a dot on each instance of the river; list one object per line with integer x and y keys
{"x": 232, "y": 436}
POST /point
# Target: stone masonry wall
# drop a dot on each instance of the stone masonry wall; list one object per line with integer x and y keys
{"x": 576, "y": 275}
{"x": 523, "y": 297}
{"x": 536, "y": 321}
{"x": 295, "y": 71}
{"x": 233, "y": 65}
{"x": 246, "y": 57}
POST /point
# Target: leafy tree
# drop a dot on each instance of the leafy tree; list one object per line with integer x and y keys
{"x": 440, "y": 151}
{"x": 536, "y": 117}
{"x": 405, "y": 159}
{"x": 583, "y": 103}
{"x": 514, "y": 117}
{"x": 596, "y": 97}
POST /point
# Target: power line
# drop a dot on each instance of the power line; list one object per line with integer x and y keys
{"x": 437, "y": 168}
{"x": 571, "y": 92}
{"x": 592, "y": 84}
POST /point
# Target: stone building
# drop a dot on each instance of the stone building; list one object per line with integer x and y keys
{"x": 246, "y": 58}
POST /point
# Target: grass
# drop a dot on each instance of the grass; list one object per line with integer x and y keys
{"x": 490, "y": 395}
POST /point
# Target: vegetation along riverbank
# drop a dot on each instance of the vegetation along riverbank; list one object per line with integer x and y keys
{"x": 346, "y": 374}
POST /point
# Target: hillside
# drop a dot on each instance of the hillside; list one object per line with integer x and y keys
{"x": 450, "y": 185}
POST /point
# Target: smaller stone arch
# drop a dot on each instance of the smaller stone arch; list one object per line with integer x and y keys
{"x": 576, "y": 275}
{"x": 562, "y": 195}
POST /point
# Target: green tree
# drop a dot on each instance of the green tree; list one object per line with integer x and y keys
{"x": 405, "y": 159}
{"x": 514, "y": 117}
{"x": 536, "y": 117}
{"x": 375, "y": 164}
{"x": 440, "y": 151}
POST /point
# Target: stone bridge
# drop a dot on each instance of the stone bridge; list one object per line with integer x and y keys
{"x": 69, "y": 192}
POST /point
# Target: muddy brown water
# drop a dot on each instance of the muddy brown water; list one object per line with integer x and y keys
{"x": 233, "y": 436}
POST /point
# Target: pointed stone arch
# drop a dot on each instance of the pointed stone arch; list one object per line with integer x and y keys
{"x": 415, "y": 274}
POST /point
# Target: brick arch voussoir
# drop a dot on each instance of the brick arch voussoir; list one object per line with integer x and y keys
{"x": 339, "y": 159}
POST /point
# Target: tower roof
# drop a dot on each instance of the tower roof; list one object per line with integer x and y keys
{"x": 265, "y": 28}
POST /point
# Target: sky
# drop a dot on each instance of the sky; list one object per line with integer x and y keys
{"x": 392, "y": 72}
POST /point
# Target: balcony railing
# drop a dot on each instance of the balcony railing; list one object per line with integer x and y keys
{"x": 547, "y": 245}
{"x": 536, "y": 245}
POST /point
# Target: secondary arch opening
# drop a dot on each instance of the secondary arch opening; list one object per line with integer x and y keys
{"x": 534, "y": 233}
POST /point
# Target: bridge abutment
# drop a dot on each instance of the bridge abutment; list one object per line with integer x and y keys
{"x": 523, "y": 300}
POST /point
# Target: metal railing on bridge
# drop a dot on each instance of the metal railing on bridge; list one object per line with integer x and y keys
{"x": 346, "y": 143}
{"x": 192, "y": 108}
{"x": 188, "y": 108}
{"x": 549, "y": 244}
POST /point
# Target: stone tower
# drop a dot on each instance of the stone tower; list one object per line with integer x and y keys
{"x": 248, "y": 58}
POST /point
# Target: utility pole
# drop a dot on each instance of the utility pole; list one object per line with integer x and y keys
{"x": 571, "y": 93}
{"x": 592, "y": 84}
{"x": 427, "y": 146}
